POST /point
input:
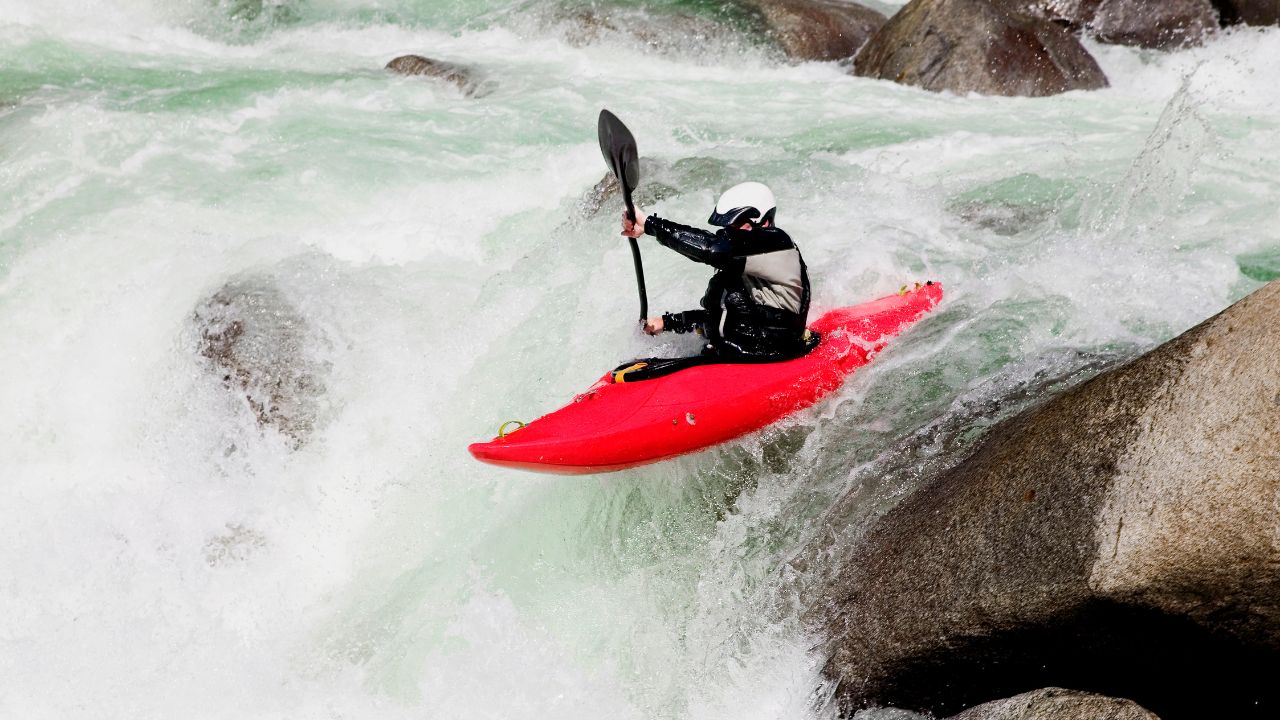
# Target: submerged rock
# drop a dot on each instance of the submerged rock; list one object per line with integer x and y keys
{"x": 262, "y": 349}
{"x": 993, "y": 47}
{"x": 1262, "y": 266}
{"x": 819, "y": 29}
{"x": 460, "y": 76}
{"x": 1012, "y": 205}
{"x": 1249, "y": 12}
{"x": 1123, "y": 538}
{"x": 256, "y": 10}
{"x": 659, "y": 180}
{"x": 1057, "y": 704}
{"x": 237, "y": 544}
{"x": 1006, "y": 219}
{"x": 671, "y": 32}
{"x": 608, "y": 191}
{"x": 800, "y": 29}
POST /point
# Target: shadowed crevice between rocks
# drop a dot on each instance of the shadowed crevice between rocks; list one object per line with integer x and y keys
{"x": 1248, "y": 12}
{"x": 1169, "y": 665}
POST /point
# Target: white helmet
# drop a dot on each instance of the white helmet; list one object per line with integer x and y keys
{"x": 748, "y": 201}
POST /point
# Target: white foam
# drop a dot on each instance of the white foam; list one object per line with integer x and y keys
{"x": 162, "y": 555}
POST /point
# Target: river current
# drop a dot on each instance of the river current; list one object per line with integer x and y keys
{"x": 162, "y": 555}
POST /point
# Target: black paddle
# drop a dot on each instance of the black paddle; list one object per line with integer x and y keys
{"x": 619, "y": 149}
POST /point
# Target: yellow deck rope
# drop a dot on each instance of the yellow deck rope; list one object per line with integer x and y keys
{"x": 502, "y": 429}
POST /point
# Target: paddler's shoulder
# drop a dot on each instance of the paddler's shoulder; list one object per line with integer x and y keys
{"x": 759, "y": 240}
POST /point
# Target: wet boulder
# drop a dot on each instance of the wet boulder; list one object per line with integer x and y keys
{"x": 1074, "y": 14}
{"x": 659, "y": 180}
{"x": 818, "y": 29}
{"x": 1163, "y": 25}
{"x": 800, "y": 29}
{"x": 1057, "y": 704}
{"x": 460, "y": 76}
{"x": 993, "y": 47}
{"x": 1249, "y": 12}
{"x": 608, "y": 191}
{"x": 1121, "y": 538}
{"x": 664, "y": 32}
{"x": 266, "y": 354}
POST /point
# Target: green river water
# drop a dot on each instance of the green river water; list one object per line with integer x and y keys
{"x": 164, "y": 557}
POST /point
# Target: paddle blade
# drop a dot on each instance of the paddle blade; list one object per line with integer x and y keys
{"x": 618, "y": 146}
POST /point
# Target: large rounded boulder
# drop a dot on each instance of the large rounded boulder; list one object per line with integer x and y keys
{"x": 992, "y": 47}
{"x": 819, "y": 29}
{"x": 1121, "y": 538}
{"x": 1164, "y": 25}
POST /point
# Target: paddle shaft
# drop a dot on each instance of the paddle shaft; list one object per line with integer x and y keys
{"x": 644, "y": 296}
{"x": 635, "y": 257}
{"x": 619, "y": 149}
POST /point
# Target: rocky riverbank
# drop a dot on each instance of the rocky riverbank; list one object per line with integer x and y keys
{"x": 992, "y": 47}
{"x": 1120, "y": 538}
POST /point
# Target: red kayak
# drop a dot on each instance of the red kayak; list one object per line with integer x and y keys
{"x": 619, "y": 425}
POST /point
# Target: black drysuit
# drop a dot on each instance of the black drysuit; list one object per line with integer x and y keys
{"x": 757, "y": 303}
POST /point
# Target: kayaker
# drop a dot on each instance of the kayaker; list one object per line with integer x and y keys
{"x": 757, "y": 303}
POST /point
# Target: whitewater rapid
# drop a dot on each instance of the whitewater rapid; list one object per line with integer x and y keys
{"x": 162, "y": 555}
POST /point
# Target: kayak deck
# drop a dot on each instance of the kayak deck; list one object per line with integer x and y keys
{"x": 615, "y": 426}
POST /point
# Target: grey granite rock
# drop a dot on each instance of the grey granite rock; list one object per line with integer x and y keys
{"x": 1122, "y": 537}
{"x": 1057, "y": 704}
{"x": 993, "y": 47}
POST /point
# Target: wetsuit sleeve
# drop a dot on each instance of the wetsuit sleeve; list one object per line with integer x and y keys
{"x": 720, "y": 249}
{"x": 701, "y": 246}
{"x": 683, "y": 322}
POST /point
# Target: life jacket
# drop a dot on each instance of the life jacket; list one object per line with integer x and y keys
{"x": 757, "y": 303}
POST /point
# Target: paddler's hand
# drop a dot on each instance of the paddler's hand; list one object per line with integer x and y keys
{"x": 633, "y": 228}
{"x": 653, "y": 325}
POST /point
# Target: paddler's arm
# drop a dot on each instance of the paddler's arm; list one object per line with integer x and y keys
{"x": 680, "y": 323}
{"x": 714, "y": 249}
{"x": 684, "y": 322}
